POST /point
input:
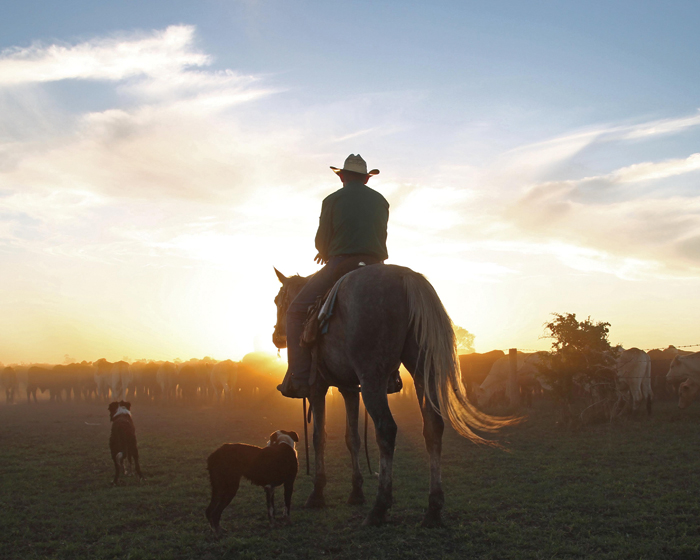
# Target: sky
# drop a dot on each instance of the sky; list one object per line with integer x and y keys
{"x": 157, "y": 159}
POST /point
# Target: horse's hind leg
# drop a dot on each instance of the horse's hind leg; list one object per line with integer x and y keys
{"x": 433, "y": 427}
{"x": 352, "y": 440}
{"x": 318, "y": 403}
{"x": 374, "y": 395}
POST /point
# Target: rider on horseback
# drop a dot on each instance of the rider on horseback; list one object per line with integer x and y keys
{"x": 351, "y": 232}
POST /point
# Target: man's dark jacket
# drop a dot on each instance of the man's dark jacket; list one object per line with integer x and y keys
{"x": 353, "y": 221}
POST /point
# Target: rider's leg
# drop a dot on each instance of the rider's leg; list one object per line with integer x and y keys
{"x": 296, "y": 381}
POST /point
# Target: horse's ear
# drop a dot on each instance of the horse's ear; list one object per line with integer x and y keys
{"x": 282, "y": 278}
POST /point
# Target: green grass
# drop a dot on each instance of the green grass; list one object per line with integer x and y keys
{"x": 627, "y": 490}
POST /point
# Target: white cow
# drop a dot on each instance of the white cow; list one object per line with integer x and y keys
{"x": 633, "y": 379}
{"x": 114, "y": 377}
{"x": 687, "y": 370}
{"x": 497, "y": 378}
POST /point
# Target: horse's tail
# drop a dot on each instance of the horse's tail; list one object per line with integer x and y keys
{"x": 442, "y": 378}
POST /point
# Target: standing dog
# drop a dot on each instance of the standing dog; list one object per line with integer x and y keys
{"x": 122, "y": 440}
{"x": 269, "y": 467}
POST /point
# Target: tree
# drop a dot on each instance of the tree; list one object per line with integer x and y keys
{"x": 581, "y": 359}
{"x": 464, "y": 339}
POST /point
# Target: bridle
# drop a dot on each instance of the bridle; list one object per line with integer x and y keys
{"x": 289, "y": 290}
{"x": 282, "y": 301}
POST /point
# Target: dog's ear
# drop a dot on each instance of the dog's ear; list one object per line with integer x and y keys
{"x": 127, "y": 405}
{"x": 292, "y": 435}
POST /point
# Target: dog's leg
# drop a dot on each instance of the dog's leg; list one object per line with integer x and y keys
{"x": 270, "y": 495}
{"x": 118, "y": 467}
{"x": 135, "y": 456}
{"x": 216, "y": 497}
{"x": 353, "y": 442}
{"x": 288, "y": 490}
{"x": 224, "y": 497}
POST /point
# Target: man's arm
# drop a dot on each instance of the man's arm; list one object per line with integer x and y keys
{"x": 324, "y": 233}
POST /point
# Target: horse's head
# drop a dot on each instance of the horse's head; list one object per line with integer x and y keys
{"x": 290, "y": 288}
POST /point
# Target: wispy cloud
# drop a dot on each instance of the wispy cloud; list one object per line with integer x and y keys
{"x": 648, "y": 171}
{"x": 659, "y": 127}
{"x": 156, "y": 53}
{"x": 635, "y": 221}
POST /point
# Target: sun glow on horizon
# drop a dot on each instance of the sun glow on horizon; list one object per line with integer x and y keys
{"x": 148, "y": 187}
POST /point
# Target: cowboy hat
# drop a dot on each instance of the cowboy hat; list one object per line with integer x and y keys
{"x": 356, "y": 164}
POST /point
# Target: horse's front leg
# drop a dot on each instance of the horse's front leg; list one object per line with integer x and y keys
{"x": 433, "y": 428}
{"x": 374, "y": 396}
{"x": 318, "y": 405}
{"x": 352, "y": 440}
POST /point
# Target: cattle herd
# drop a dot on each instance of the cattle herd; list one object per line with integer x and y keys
{"x": 205, "y": 380}
{"x": 640, "y": 377}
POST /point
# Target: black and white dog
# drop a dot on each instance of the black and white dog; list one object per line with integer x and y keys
{"x": 122, "y": 439}
{"x": 269, "y": 467}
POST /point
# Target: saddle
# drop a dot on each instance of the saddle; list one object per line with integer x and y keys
{"x": 318, "y": 317}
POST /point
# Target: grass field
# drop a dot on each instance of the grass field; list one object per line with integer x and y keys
{"x": 628, "y": 490}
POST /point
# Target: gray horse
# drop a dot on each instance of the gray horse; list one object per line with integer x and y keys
{"x": 384, "y": 316}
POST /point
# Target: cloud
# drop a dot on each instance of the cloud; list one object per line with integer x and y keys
{"x": 659, "y": 127}
{"x": 113, "y": 59}
{"x": 536, "y": 159}
{"x": 651, "y": 233}
{"x": 647, "y": 171}
{"x": 179, "y": 138}
{"x": 160, "y": 65}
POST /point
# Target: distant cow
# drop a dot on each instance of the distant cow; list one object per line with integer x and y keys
{"x": 685, "y": 369}
{"x": 223, "y": 379}
{"x": 8, "y": 379}
{"x": 167, "y": 377}
{"x": 114, "y": 377}
{"x": 145, "y": 380}
{"x": 475, "y": 368}
{"x": 529, "y": 377}
{"x": 495, "y": 383}
{"x": 194, "y": 379}
{"x": 633, "y": 379}
{"x": 42, "y": 379}
{"x": 660, "y": 364}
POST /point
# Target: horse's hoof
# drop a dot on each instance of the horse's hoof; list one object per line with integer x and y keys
{"x": 219, "y": 532}
{"x": 357, "y": 498}
{"x": 374, "y": 519}
{"x": 315, "y": 501}
{"x": 432, "y": 520}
